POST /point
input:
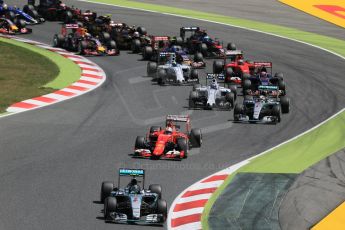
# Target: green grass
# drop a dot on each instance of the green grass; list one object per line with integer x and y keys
{"x": 28, "y": 71}
{"x": 21, "y": 77}
{"x": 294, "y": 156}
{"x": 68, "y": 73}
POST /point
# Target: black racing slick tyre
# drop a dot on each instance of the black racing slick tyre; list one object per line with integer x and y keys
{"x": 106, "y": 189}
{"x": 27, "y": 8}
{"x": 285, "y": 104}
{"x": 105, "y": 37}
{"x": 238, "y": 110}
{"x": 218, "y": 66}
{"x": 140, "y": 143}
{"x": 230, "y": 97}
{"x": 162, "y": 74}
{"x": 68, "y": 17}
{"x": 182, "y": 145}
{"x": 112, "y": 44}
{"x": 162, "y": 208}
{"x": 81, "y": 47}
{"x": 194, "y": 74}
{"x": 58, "y": 40}
{"x": 276, "y": 112}
{"x": 135, "y": 46}
{"x": 151, "y": 69}
{"x": 279, "y": 75}
{"x": 33, "y": 13}
{"x": 233, "y": 89}
{"x": 231, "y": 46}
{"x": 10, "y": 15}
{"x": 147, "y": 52}
{"x": 196, "y": 137}
{"x": 20, "y": 23}
{"x": 202, "y": 48}
{"x": 110, "y": 204}
{"x": 142, "y": 30}
{"x": 196, "y": 86}
{"x": 156, "y": 188}
{"x": 198, "y": 57}
{"x": 281, "y": 84}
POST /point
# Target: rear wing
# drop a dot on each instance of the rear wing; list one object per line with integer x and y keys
{"x": 219, "y": 77}
{"x": 183, "y": 30}
{"x": 268, "y": 88}
{"x": 180, "y": 118}
{"x": 71, "y": 26}
{"x": 161, "y": 38}
{"x": 131, "y": 173}
{"x": 263, "y": 64}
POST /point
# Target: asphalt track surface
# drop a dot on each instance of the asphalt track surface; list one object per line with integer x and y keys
{"x": 269, "y": 11}
{"x": 315, "y": 193}
{"x": 53, "y": 160}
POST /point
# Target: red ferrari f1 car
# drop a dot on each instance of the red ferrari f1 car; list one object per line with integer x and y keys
{"x": 170, "y": 142}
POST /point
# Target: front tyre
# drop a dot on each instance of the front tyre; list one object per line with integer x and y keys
{"x": 106, "y": 188}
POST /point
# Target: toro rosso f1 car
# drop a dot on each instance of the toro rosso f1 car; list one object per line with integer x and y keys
{"x": 170, "y": 142}
{"x": 8, "y": 27}
{"x": 212, "y": 95}
{"x": 130, "y": 202}
{"x": 168, "y": 71}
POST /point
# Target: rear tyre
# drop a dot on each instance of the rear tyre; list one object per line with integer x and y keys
{"x": 135, "y": 47}
{"x": 231, "y": 46}
{"x": 33, "y": 13}
{"x": 151, "y": 68}
{"x": 112, "y": 45}
{"x": 230, "y": 97}
{"x": 58, "y": 40}
{"x": 202, "y": 48}
{"x": 194, "y": 74}
{"x": 10, "y": 15}
{"x": 195, "y": 86}
{"x": 20, "y": 23}
{"x": 196, "y": 137}
{"x": 198, "y": 57}
{"x": 233, "y": 89}
{"x": 81, "y": 47}
{"x": 147, "y": 52}
{"x": 105, "y": 37}
{"x": 281, "y": 84}
{"x": 156, "y": 188}
{"x": 279, "y": 76}
{"x": 285, "y": 104}
{"x": 218, "y": 66}
{"x": 106, "y": 188}
{"x": 142, "y": 30}
{"x": 140, "y": 143}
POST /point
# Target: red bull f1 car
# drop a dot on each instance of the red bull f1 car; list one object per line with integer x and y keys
{"x": 75, "y": 38}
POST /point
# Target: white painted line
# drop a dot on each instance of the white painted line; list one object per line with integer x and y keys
{"x": 194, "y": 198}
{"x": 90, "y": 79}
{"x": 88, "y": 86}
{"x": 73, "y": 91}
{"x": 36, "y": 102}
{"x": 188, "y": 212}
{"x": 15, "y": 110}
{"x": 92, "y": 72}
{"x": 191, "y": 226}
{"x": 56, "y": 96}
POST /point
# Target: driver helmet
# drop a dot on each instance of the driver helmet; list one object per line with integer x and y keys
{"x": 214, "y": 84}
{"x": 87, "y": 35}
{"x": 136, "y": 34}
{"x": 5, "y": 6}
{"x": 134, "y": 189}
{"x": 263, "y": 75}
{"x": 240, "y": 62}
{"x": 262, "y": 97}
{"x": 168, "y": 130}
{"x": 174, "y": 63}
